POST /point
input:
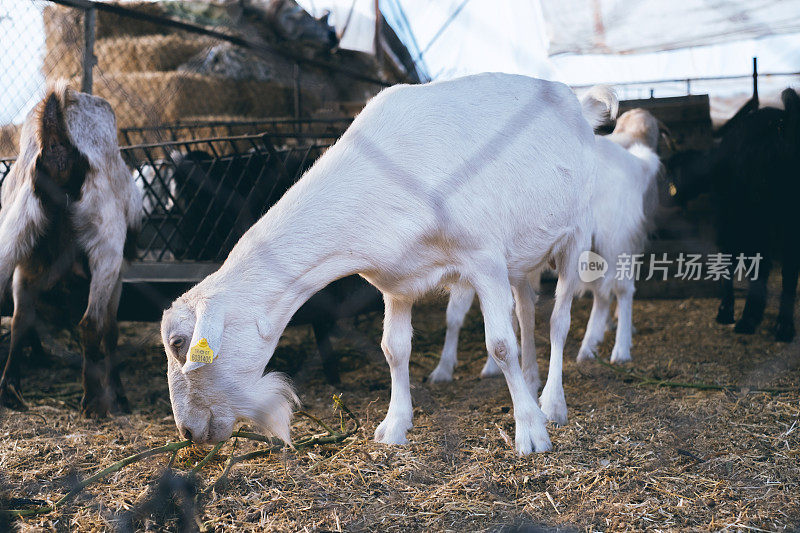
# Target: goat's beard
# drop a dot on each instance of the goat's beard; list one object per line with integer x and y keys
{"x": 269, "y": 403}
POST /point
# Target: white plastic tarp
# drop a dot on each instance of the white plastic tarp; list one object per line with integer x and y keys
{"x": 635, "y": 26}
{"x": 354, "y": 21}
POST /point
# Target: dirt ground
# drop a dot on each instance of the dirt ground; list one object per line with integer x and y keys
{"x": 632, "y": 456}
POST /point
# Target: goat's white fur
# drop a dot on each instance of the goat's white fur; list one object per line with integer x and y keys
{"x": 623, "y": 205}
{"x": 481, "y": 179}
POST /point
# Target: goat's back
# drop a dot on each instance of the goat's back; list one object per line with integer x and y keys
{"x": 491, "y": 161}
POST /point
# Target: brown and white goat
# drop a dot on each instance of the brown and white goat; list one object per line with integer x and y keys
{"x": 68, "y": 198}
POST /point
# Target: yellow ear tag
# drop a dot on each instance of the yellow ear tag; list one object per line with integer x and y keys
{"x": 672, "y": 189}
{"x": 201, "y": 352}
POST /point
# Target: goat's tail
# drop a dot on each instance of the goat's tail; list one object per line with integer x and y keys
{"x": 52, "y": 122}
{"x": 599, "y": 105}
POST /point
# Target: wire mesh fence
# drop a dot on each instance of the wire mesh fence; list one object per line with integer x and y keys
{"x": 163, "y": 62}
{"x": 195, "y": 110}
{"x": 201, "y": 195}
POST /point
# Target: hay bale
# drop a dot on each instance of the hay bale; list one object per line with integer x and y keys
{"x": 148, "y": 53}
{"x": 123, "y": 44}
{"x": 63, "y": 41}
{"x": 153, "y": 98}
{"x": 110, "y": 25}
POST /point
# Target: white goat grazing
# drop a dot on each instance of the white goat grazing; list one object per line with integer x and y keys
{"x": 482, "y": 178}
{"x": 68, "y": 196}
{"x": 156, "y": 185}
{"x": 623, "y": 205}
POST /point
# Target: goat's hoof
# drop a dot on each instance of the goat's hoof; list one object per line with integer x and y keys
{"x": 784, "y": 331}
{"x": 440, "y": 375}
{"x": 554, "y": 406}
{"x": 121, "y": 406}
{"x": 725, "y": 315}
{"x": 532, "y": 439}
{"x": 746, "y": 326}
{"x": 11, "y": 398}
{"x": 392, "y": 431}
{"x": 620, "y": 355}
{"x": 95, "y": 408}
{"x": 585, "y": 355}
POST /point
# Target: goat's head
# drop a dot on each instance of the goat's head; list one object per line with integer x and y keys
{"x": 690, "y": 174}
{"x": 640, "y": 126}
{"x": 215, "y": 369}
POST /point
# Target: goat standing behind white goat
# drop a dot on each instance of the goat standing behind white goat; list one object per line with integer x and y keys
{"x": 483, "y": 178}
{"x": 623, "y": 205}
{"x": 68, "y": 195}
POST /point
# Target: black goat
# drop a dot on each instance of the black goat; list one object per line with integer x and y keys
{"x": 753, "y": 176}
{"x": 219, "y": 198}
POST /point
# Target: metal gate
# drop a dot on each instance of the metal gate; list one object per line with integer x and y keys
{"x": 204, "y": 184}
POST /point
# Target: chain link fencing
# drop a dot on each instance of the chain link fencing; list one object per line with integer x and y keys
{"x": 219, "y": 107}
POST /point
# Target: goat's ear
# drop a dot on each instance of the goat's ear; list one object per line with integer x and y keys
{"x": 206, "y": 339}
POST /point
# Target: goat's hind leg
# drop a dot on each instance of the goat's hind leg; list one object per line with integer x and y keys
{"x": 525, "y": 300}
{"x": 22, "y": 325}
{"x": 98, "y": 398}
{"x": 494, "y": 292}
{"x": 596, "y": 328}
{"x": 110, "y": 340}
{"x": 552, "y": 398}
{"x": 622, "y": 344}
{"x": 461, "y": 296}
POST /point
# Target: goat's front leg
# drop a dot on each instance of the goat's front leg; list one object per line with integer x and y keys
{"x": 461, "y": 296}
{"x": 330, "y": 360}
{"x": 622, "y": 344}
{"x": 552, "y": 399}
{"x": 598, "y": 323}
{"x": 98, "y": 398}
{"x": 727, "y": 301}
{"x": 396, "y": 345}
{"x": 756, "y": 301}
{"x": 497, "y": 305}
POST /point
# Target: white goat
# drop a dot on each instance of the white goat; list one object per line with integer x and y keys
{"x": 623, "y": 205}
{"x": 157, "y": 185}
{"x": 483, "y": 178}
{"x": 68, "y": 195}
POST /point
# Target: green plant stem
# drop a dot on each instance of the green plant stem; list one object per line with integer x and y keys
{"x": 119, "y": 465}
{"x": 207, "y": 458}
